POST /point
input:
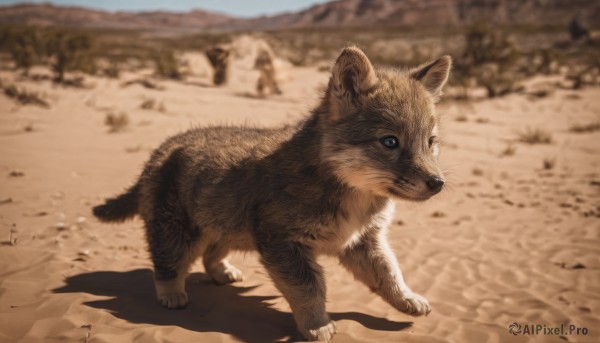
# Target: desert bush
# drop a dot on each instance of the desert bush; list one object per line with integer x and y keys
{"x": 484, "y": 45}
{"x": 24, "y": 44}
{"x": 549, "y": 163}
{"x": 70, "y": 50}
{"x": 144, "y": 83}
{"x": 116, "y": 122}
{"x": 25, "y": 97}
{"x": 166, "y": 64}
{"x": 490, "y": 59}
{"x": 538, "y": 93}
{"x": 587, "y": 73}
{"x": 585, "y": 128}
{"x": 535, "y": 136}
{"x": 151, "y": 104}
{"x": 148, "y": 104}
{"x": 501, "y": 86}
{"x": 542, "y": 61}
{"x": 510, "y": 150}
{"x": 112, "y": 70}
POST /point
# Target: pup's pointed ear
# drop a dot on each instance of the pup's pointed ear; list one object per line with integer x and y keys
{"x": 433, "y": 75}
{"x": 352, "y": 76}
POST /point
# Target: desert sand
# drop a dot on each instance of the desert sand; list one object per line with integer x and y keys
{"x": 509, "y": 240}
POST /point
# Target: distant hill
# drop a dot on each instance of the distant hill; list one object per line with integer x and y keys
{"x": 389, "y": 13}
{"x": 340, "y": 13}
{"x": 46, "y": 14}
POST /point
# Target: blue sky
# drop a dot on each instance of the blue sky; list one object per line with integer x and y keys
{"x": 240, "y": 8}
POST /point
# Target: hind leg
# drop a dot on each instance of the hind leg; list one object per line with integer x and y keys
{"x": 172, "y": 237}
{"x": 260, "y": 86}
{"x": 220, "y": 270}
{"x": 172, "y": 252}
{"x": 273, "y": 85}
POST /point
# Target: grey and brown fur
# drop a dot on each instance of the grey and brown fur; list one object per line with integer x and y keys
{"x": 219, "y": 60}
{"x": 267, "y": 81}
{"x": 325, "y": 186}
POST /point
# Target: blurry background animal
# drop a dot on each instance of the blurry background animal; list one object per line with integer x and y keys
{"x": 267, "y": 81}
{"x": 578, "y": 30}
{"x": 219, "y": 59}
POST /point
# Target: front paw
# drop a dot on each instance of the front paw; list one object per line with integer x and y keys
{"x": 414, "y": 305}
{"x": 321, "y": 333}
{"x": 171, "y": 293}
{"x": 174, "y": 301}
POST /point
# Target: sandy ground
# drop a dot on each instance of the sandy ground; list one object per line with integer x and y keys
{"x": 508, "y": 241}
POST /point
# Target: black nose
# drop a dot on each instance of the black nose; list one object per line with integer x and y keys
{"x": 435, "y": 184}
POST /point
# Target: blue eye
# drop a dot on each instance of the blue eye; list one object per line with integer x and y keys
{"x": 390, "y": 142}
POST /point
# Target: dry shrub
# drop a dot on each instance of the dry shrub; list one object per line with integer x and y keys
{"x": 116, "y": 122}
{"x": 144, "y": 83}
{"x": 148, "y": 104}
{"x": 585, "y": 128}
{"x": 490, "y": 59}
{"x": 549, "y": 163}
{"x": 585, "y": 75}
{"x": 484, "y": 44}
{"x": 497, "y": 81}
{"x": 25, "y": 97}
{"x": 540, "y": 93}
{"x": 166, "y": 65}
{"x": 509, "y": 150}
{"x": 76, "y": 82}
{"x": 112, "y": 70}
{"x": 63, "y": 49}
{"x": 70, "y": 50}
{"x": 24, "y": 44}
{"x": 151, "y": 104}
{"x": 535, "y": 136}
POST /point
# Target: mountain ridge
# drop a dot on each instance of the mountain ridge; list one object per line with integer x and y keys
{"x": 339, "y": 13}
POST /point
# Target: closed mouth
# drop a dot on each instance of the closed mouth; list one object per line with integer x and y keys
{"x": 396, "y": 191}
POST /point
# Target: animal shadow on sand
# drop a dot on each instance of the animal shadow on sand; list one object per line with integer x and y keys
{"x": 212, "y": 308}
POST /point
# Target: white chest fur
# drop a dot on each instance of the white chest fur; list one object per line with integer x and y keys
{"x": 356, "y": 215}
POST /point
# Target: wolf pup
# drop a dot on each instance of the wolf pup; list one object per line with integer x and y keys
{"x": 325, "y": 186}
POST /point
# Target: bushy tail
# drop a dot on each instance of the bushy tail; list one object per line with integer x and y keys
{"x": 120, "y": 208}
